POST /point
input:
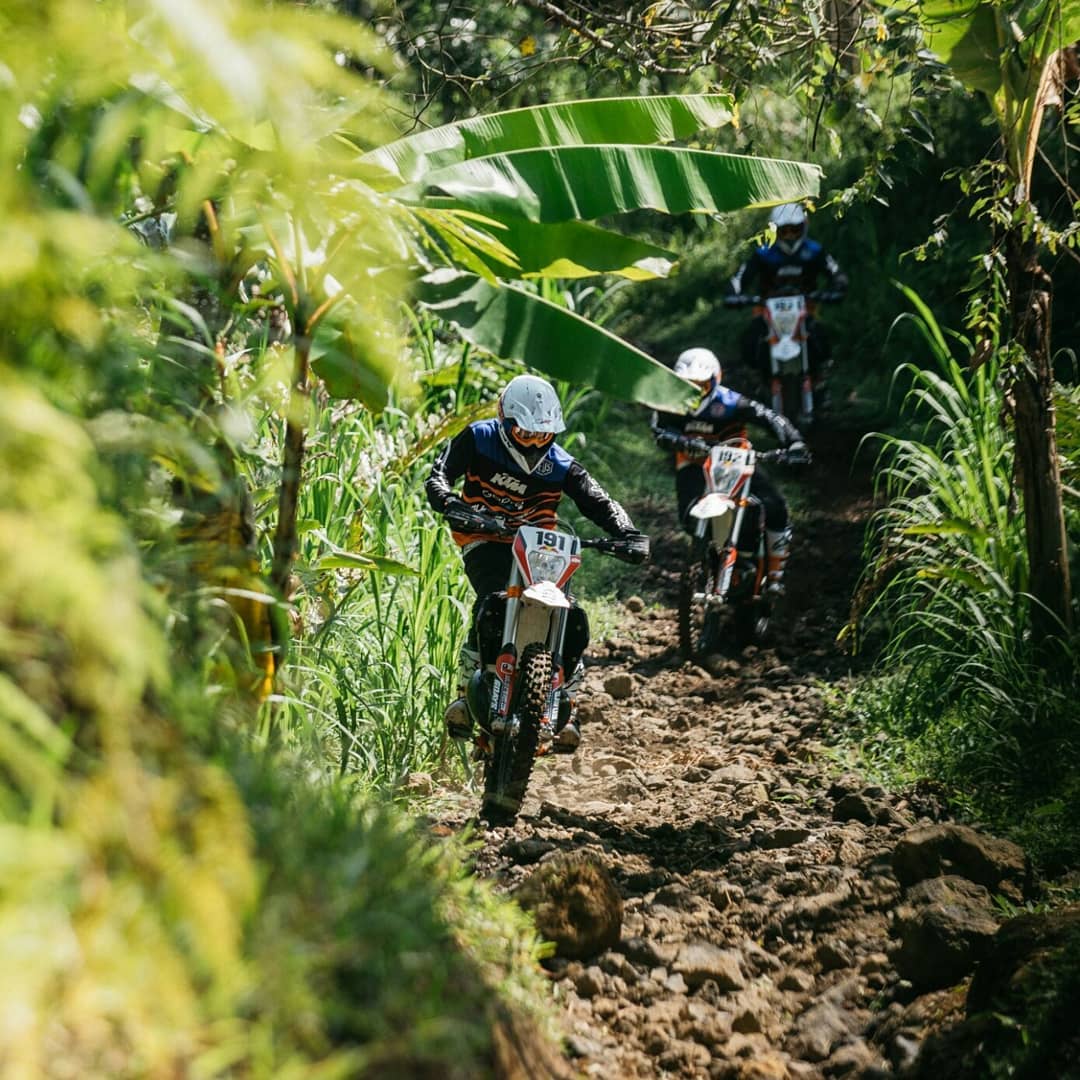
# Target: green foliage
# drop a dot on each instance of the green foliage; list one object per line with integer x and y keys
{"x": 961, "y": 689}
{"x": 179, "y": 896}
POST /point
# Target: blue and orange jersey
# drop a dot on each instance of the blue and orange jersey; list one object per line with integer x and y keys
{"x": 723, "y": 414}
{"x": 492, "y": 480}
{"x": 771, "y": 270}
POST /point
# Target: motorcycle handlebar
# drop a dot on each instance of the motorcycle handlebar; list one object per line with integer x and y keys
{"x": 764, "y": 457}
{"x": 739, "y": 300}
{"x": 495, "y": 527}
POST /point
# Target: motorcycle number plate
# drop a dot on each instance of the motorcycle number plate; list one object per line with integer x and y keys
{"x": 785, "y": 312}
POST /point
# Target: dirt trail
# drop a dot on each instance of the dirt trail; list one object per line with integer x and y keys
{"x": 755, "y": 878}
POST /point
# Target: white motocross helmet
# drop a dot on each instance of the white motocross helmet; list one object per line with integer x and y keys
{"x": 530, "y": 416}
{"x": 699, "y": 366}
{"x": 790, "y": 222}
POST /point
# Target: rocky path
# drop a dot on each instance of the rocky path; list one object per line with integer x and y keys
{"x": 759, "y": 882}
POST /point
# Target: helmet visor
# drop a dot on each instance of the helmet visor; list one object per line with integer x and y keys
{"x": 789, "y": 232}
{"x": 535, "y": 439}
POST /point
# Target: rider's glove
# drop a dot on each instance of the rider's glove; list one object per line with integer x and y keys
{"x": 464, "y": 518}
{"x": 637, "y": 547}
{"x": 736, "y": 300}
{"x": 797, "y": 453}
{"x": 694, "y": 447}
{"x": 668, "y": 440}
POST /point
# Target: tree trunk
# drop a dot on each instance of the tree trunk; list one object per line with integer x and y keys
{"x": 1036, "y": 443}
{"x": 291, "y": 467}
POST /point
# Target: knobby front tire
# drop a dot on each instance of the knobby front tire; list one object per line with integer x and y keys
{"x": 697, "y": 625}
{"x": 510, "y": 766}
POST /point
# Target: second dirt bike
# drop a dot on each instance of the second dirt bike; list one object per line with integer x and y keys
{"x": 515, "y": 697}
{"x": 726, "y": 568}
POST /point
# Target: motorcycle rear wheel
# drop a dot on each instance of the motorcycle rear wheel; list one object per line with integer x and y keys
{"x": 698, "y": 624}
{"x": 507, "y": 770}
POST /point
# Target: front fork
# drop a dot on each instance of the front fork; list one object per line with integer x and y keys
{"x": 806, "y": 386}
{"x": 726, "y": 543}
{"x": 506, "y": 666}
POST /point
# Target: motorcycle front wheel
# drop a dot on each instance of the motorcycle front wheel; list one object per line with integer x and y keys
{"x": 698, "y": 624}
{"x": 507, "y": 770}
{"x": 750, "y": 621}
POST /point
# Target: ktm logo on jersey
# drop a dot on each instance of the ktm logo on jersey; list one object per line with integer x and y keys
{"x": 511, "y": 483}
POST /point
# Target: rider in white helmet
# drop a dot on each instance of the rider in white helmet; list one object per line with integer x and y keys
{"x": 793, "y": 263}
{"x": 513, "y": 468}
{"x": 721, "y": 414}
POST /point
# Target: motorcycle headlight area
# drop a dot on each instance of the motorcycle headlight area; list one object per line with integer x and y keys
{"x": 547, "y": 565}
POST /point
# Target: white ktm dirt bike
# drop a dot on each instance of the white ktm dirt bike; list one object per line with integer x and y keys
{"x": 790, "y": 386}
{"x": 515, "y": 696}
{"x": 727, "y": 565}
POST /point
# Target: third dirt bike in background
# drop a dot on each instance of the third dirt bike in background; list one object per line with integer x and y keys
{"x": 787, "y": 343}
{"x": 726, "y": 568}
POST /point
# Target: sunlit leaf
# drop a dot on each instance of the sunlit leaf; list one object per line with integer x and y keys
{"x": 660, "y": 119}
{"x": 516, "y": 324}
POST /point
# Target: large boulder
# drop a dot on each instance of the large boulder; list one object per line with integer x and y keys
{"x": 934, "y": 850}
{"x": 944, "y": 927}
{"x": 1021, "y": 1006}
{"x": 575, "y": 904}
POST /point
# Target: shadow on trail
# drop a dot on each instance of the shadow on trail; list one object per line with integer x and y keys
{"x": 667, "y": 848}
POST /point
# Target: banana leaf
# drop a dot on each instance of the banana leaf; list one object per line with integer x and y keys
{"x": 590, "y": 182}
{"x": 663, "y": 118}
{"x": 516, "y": 324}
{"x": 567, "y": 249}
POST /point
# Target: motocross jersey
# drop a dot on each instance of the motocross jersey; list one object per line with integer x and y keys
{"x": 723, "y": 414}
{"x": 771, "y": 271}
{"x": 496, "y": 483}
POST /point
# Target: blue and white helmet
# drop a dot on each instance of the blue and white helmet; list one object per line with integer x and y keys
{"x": 790, "y": 222}
{"x": 530, "y": 416}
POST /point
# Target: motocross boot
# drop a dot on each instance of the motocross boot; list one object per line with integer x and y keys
{"x": 777, "y": 547}
{"x": 567, "y": 725}
{"x": 458, "y": 718}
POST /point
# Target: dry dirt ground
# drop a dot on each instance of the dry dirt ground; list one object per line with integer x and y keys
{"x": 754, "y": 872}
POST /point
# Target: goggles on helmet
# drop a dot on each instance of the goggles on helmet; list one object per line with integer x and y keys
{"x": 789, "y": 232}
{"x": 530, "y": 438}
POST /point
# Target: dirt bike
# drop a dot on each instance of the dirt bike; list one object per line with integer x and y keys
{"x": 727, "y": 564}
{"x": 791, "y": 388}
{"x": 514, "y": 697}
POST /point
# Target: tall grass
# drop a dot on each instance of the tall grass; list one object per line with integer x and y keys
{"x": 380, "y": 601}
{"x": 961, "y": 688}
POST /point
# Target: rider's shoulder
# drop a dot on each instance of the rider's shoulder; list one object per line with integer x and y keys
{"x": 485, "y": 433}
{"x": 726, "y": 396}
{"x": 812, "y": 249}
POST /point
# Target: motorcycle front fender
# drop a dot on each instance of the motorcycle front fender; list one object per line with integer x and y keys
{"x": 787, "y": 350}
{"x": 712, "y": 505}
{"x": 547, "y": 593}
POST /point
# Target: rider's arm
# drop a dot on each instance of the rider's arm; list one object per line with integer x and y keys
{"x": 666, "y": 429}
{"x": 595, "y": 503}
{"x": 836, "y": 281}
{"x": 744, "y": 277}
{"x": 448, "y": 468}
{"x": 754, "y": 412}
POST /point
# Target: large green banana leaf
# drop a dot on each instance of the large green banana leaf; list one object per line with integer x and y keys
{"x": 515, "y": 324}
{"x": 590, "y": 182}
{"x": 629, "y": 120}
{"x": 566, "y": 249}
